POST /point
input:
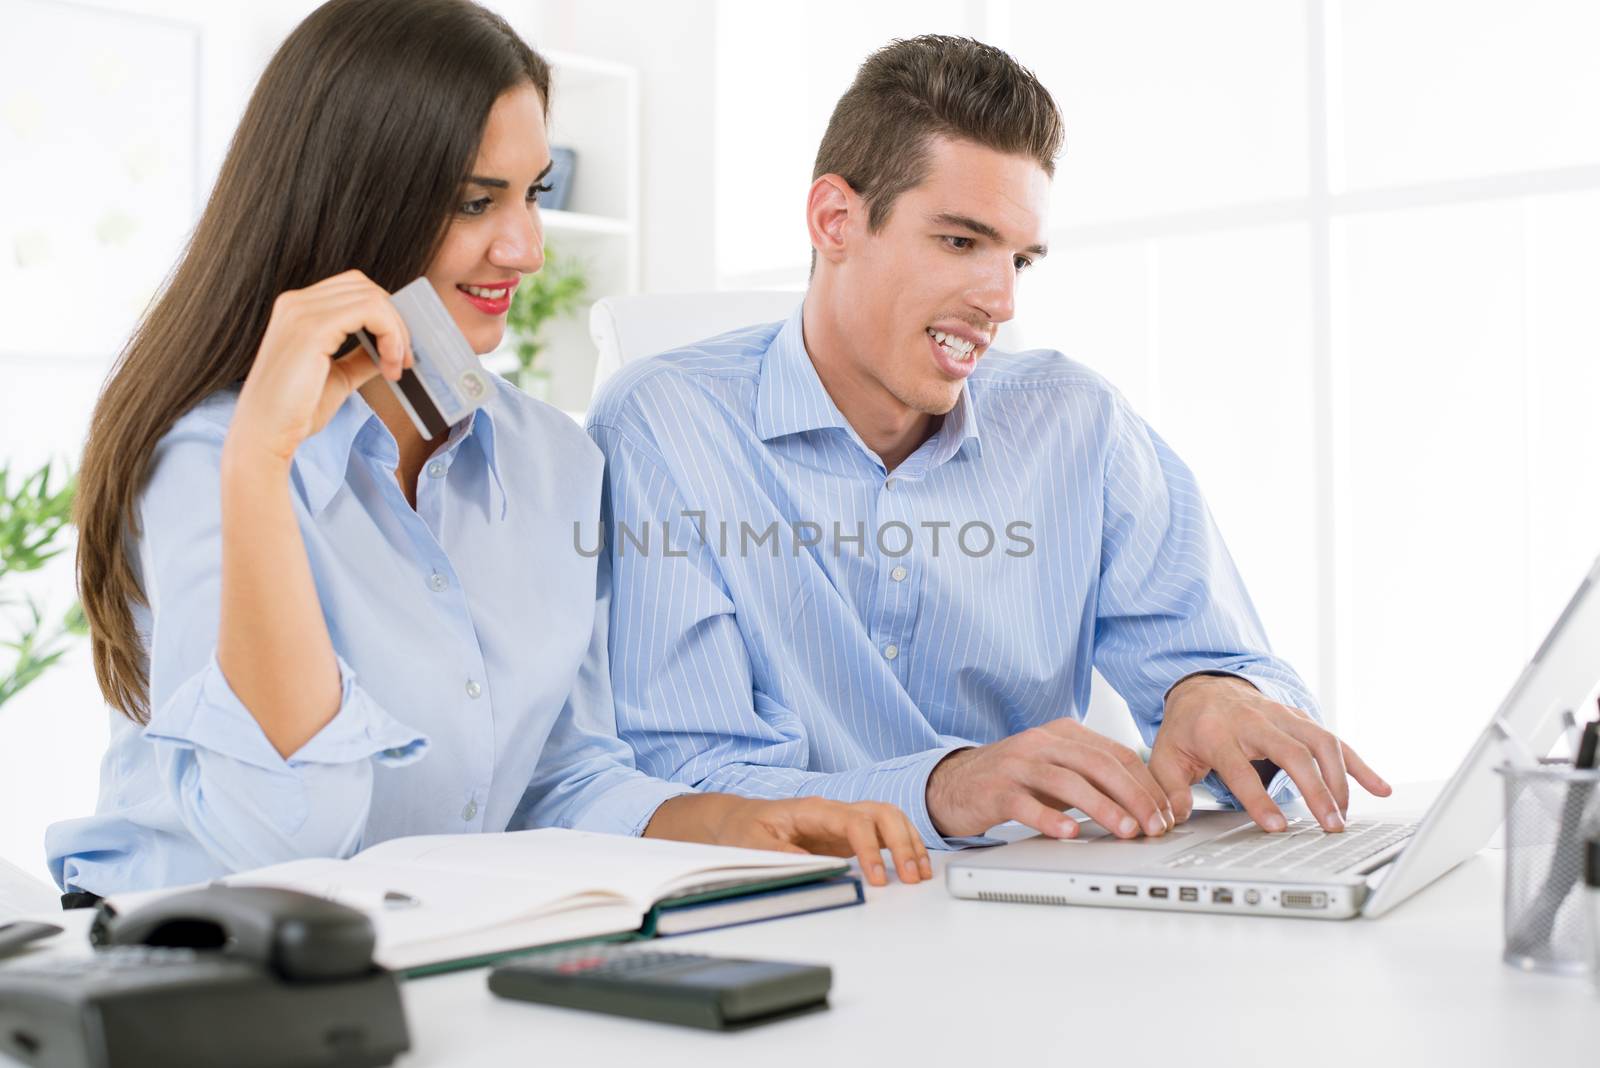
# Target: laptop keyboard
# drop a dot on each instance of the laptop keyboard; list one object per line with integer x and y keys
{"x": 1304, "y": 848}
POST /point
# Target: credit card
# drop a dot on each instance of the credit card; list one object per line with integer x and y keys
{"x": 446, "y": 383}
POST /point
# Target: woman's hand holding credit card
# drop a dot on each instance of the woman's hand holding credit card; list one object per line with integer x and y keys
{"x": 445, "y": 383}
{"x": 302, "y": 373}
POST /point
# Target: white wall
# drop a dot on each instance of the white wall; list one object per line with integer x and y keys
{"x": 671, "y": 45}
{"x": 51, "y": 365}
{"x": 1343, "y": 254}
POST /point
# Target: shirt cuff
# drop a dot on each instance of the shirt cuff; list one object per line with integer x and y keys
{"x": 1270, "y": 689}
{"x": 205, "y": 713}
{"x": 627, "y": 807}
{"x": 1281, "y": 789}
{"x": 910, "y": 792}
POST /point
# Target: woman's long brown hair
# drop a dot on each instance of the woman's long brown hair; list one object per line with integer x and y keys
{"x": 350, "y": 154}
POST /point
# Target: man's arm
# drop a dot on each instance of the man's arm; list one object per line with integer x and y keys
{"x": 686, "y": 696}
{"x": 1172, "y": 615}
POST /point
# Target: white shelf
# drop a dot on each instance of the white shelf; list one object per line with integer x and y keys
{"x": 577, "y": 222}
{"x": 594, "y": 110}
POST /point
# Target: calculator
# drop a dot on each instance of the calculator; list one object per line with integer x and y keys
{"x": 720, "y": 993}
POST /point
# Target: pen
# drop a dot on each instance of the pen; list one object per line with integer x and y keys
{"x": 1517, "y": 754}
{"x": 15, "y": 935}
{"x": 1569, "y": 721}
{"x": 1588, "y": 745}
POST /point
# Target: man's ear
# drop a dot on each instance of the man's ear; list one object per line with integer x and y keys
{"x": 831, "y": 207}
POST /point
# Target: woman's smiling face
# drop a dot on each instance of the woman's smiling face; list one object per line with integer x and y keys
{"x": 495, "y": 236}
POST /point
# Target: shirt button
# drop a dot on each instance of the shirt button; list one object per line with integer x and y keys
{"x": 889, "y": 483}
{"x": 470, "y": 811}
{"x": 473, "y": 689}
{"x": 436, "y": 469}
{"x": 891, "y": 651}
{"x": 437, "y": 582}
{"x": 898, "y": 574}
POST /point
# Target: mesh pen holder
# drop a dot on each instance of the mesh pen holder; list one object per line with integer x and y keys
{"x": 1552, "y": 810}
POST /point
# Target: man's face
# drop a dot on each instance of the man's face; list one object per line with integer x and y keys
{"x": 924, "y": 294}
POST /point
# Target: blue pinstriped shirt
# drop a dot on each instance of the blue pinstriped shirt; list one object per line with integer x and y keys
{"x": 790, "y": 618}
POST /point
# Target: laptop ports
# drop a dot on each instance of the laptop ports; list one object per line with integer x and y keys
{"x": 1305, "y": 899}
{"x": 1188, "y": 893}
{"x": 1127, "y": 891}
{"x": 1221, "y": 896}
{"x": 1158, "y": 891}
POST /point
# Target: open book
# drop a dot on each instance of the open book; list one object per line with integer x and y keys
{"x": 440, "y": 902}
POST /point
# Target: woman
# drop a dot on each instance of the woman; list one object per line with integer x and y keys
{"x": 322, "y": 630}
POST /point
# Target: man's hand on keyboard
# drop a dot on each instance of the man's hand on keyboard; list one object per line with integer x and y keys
{"x": 1222, "y": 723}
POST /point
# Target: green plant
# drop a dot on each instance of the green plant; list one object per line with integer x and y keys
{"x": 559, "y": 289}
{"x": 32, "y": 518}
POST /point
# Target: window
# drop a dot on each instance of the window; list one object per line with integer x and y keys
{"x": 1343, "y": 255}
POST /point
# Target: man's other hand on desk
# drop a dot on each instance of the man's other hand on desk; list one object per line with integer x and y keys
{"x": 1222, "y": 723}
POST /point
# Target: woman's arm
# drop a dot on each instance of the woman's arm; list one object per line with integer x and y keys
{"x": 202, "y": 758}
{"x": 272, "y": 642}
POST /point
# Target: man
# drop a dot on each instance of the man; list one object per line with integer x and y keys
{"x": 860, "y": 555}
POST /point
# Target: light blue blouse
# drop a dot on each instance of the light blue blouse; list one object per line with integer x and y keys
{"x": 471, "y": 645}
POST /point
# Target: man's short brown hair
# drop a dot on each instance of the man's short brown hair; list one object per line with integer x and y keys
{"x": 910, "y": 91}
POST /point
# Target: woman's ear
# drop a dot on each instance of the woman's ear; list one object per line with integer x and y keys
{"x": 831, "y": 207}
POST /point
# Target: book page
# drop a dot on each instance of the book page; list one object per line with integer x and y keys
{"x": 643, "y": 870}
{"x": 414, "y": 904}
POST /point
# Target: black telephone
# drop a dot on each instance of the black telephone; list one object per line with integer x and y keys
{"x": 238, "y": 976}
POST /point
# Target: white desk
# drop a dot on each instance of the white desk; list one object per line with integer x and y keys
{"x": 920, "y": 977}
{"x": 923, "y": 979}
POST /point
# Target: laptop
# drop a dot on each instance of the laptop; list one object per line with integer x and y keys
{"x": 1221, "y": 862}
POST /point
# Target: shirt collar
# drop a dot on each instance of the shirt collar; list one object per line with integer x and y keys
{"x": 791, "y": 399}
{"x": 959, "y": 427}
{"x": 323, "y": 458}
{"x": 480, "y": 426}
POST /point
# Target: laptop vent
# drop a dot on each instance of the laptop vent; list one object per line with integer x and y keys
{"x": 1022, "y": 899}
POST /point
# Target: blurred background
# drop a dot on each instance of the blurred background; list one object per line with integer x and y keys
{"x": 1343, "y": 254}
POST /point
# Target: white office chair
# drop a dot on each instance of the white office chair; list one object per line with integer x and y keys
{"x": 625, "y": 329}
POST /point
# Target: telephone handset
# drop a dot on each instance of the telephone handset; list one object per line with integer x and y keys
{"x": 243, "y": 976}
{"x": 299, "y": 937}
